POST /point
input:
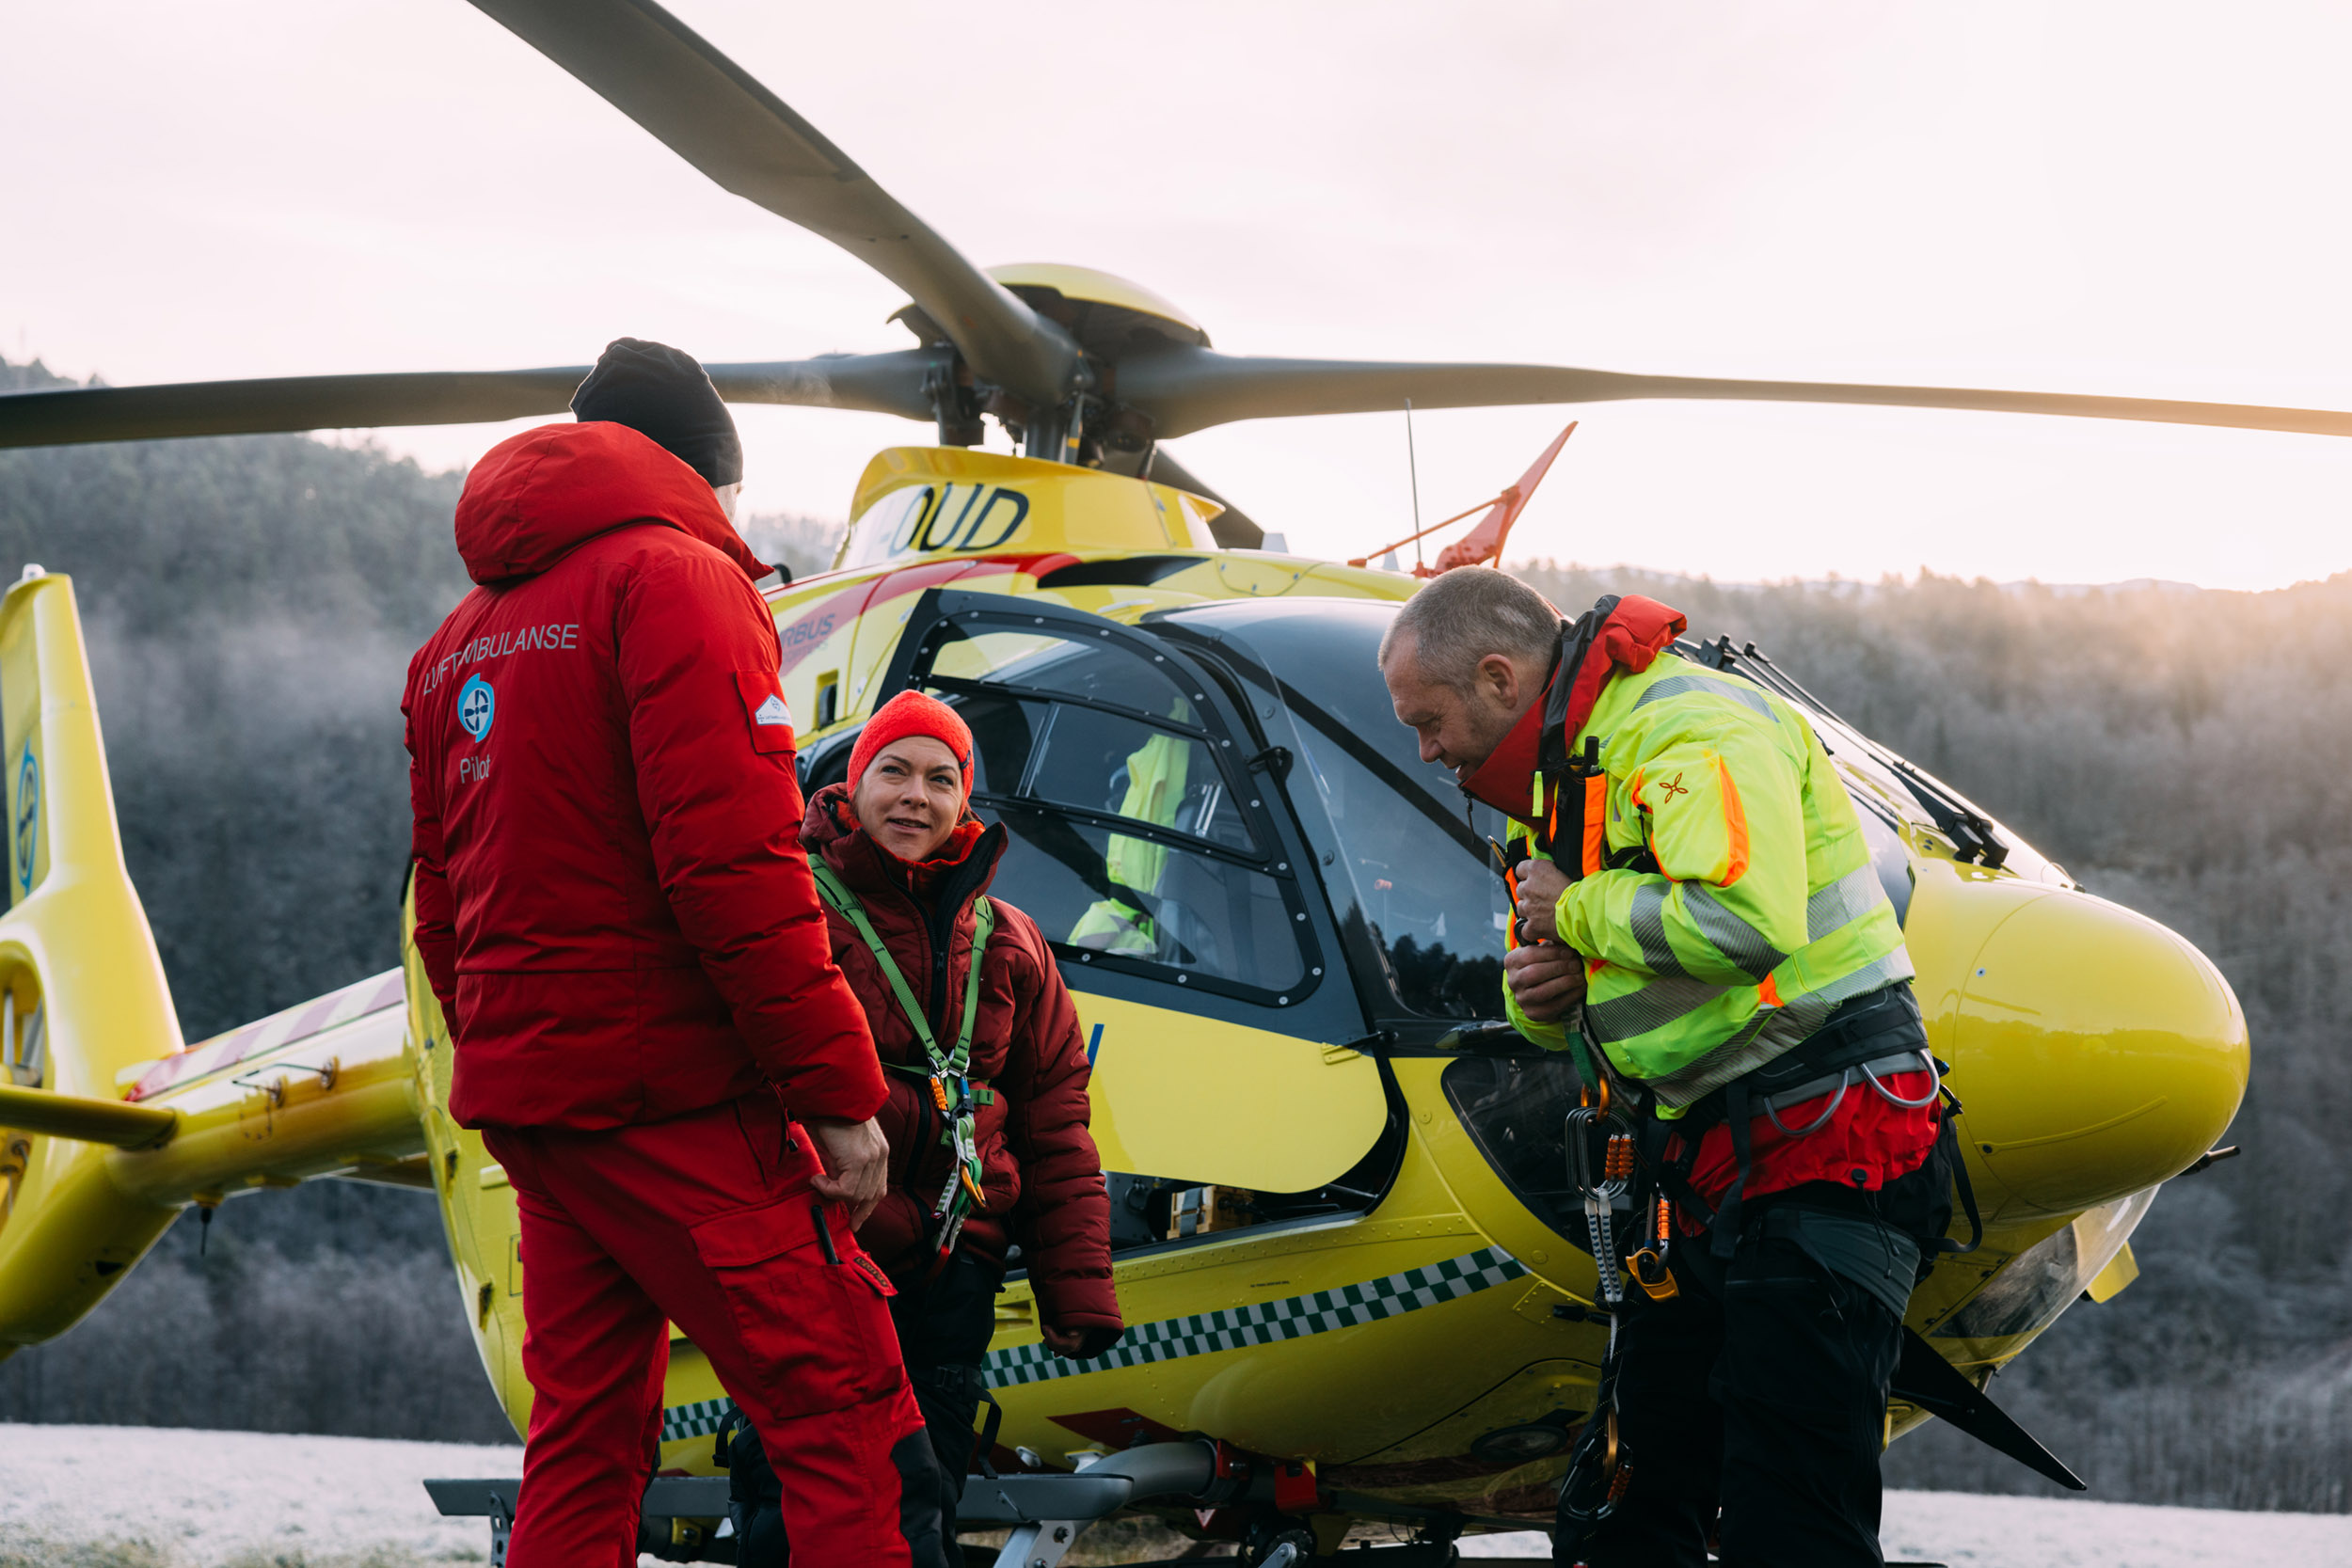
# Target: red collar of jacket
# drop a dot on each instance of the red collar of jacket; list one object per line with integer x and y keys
{"x": 829, "y": 828}
{"x": 1629, "y": 634}
{"x": 534, "y": 496}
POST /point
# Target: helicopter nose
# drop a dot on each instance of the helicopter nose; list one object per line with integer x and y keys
{"x": 2096, "y": 1051}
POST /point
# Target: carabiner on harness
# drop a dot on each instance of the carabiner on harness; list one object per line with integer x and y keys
{"x": 1648, "y": 1266}
{"x": 1935, "y": 1079}
{"x": 1601, "y": 1165}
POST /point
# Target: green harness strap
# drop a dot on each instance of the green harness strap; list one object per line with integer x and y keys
{"x": 951, "y": 1087}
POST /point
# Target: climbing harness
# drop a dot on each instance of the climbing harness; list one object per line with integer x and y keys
{"x": 1600, "y": 1167}
{"x": 952, "y": 1092}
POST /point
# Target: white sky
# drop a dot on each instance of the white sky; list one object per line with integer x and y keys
{"x": 2142, "y": 199}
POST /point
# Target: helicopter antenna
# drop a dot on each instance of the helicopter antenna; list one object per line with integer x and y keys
{"x": 1483, "y": 545}
{"x": 1412, "y": 466}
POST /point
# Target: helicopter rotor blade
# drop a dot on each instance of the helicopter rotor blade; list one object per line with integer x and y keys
{"x": 709, "y": 111}
{"x": 862, "y": 382}
{"x": 871, "y": 383}
{"x": 59, "y": 417}
{"x": 1185, "y": 389}
{"x": 1234, "y": 529}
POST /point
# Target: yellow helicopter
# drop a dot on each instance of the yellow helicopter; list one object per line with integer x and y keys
{"x": 1344, "y": 1234}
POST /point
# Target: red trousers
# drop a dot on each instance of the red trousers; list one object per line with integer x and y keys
{"x": 707, "y": 1221}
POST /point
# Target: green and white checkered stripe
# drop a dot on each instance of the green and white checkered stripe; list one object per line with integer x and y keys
{"x": 1266, "y": 1322}
{"x": 698, "y": 1419}
{"x": 1263, "y": 1322}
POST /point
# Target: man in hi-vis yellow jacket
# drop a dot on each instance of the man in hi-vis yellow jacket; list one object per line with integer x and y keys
{"x": 1700, "y": 923}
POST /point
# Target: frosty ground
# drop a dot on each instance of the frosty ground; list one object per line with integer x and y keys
{"x": 80, "y": 1496}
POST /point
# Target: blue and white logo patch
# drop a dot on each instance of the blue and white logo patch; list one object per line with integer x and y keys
{"x": 477, "y": 705}
{"x": 28, "y": 824}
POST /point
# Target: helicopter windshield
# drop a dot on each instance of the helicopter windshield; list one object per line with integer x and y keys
{"x": 1419, "y": 886}
{"x": 1128, "y": 840}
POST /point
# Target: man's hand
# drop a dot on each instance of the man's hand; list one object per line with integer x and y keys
{"x": 856, "y": 1158}
{"x": 1541, "y": 883}
{"x": 1546, "y": 981}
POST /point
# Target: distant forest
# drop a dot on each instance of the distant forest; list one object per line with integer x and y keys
{"x": 252, "y": 604}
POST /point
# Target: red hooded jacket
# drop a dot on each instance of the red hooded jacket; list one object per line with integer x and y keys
{"x": 1043, "y": 1180}
{"x": 611, "y": 899}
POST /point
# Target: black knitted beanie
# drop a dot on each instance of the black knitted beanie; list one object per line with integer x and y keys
{"x": 666, "y": 394}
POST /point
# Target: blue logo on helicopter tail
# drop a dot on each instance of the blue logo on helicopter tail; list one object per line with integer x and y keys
{"x": 27, "y": 819}
{"x": 477, "y": 705}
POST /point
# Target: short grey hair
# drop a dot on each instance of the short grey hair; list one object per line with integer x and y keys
{"x": 1469, "y": 614}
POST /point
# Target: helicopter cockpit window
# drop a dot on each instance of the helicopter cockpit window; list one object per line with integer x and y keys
{"x": 1127, "y": 838}
{"x": 1414, "y": 851}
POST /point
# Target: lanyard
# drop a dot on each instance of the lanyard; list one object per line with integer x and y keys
{"x": 952, "y": 1088}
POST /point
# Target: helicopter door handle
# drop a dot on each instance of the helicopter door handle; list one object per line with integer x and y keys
{"x": 1275, "y": 760}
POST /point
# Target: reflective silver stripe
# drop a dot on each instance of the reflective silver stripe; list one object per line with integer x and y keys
{"x": 1649, "y": 929}
{"x": 1844, "y": 901}
{"x": 1772, "y": 1031}
{"x": 1653, "y": 1007}
{"x": 1733, "y": 938}
{"x": 1675, "y": 686}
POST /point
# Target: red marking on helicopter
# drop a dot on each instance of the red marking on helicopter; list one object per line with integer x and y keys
{"x": 1119, "y": 1428}
{"x": 902, "y": 583}
{"x": 298, "y": 1023}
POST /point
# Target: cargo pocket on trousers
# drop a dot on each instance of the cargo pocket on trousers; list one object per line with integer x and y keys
{"x": 816, "y": 1334}
{"x": 1797, "y": 1340}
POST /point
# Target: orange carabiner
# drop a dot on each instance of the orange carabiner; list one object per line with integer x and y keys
{"x": 1650, "y": 1272}
{"x": 1648, "y": 1266}
{"x": 1618, "y": 1165}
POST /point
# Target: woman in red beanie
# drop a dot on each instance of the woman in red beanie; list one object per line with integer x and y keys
{"x": 987, "y": 1069}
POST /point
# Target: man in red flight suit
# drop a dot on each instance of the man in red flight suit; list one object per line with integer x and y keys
{"x": 618, "y": 919}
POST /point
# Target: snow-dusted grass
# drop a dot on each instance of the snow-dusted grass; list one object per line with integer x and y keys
{"x": 149, "y": 1498}
{"x": 1966, "y": 1531}
{"x": 86, "y": 1496}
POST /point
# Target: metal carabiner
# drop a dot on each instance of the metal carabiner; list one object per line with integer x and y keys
{"x": 1771, "y": 1113}
{"x": 1935, "y": 1083}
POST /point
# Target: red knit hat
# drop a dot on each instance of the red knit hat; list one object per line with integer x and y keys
{"x": 912, "y": 713}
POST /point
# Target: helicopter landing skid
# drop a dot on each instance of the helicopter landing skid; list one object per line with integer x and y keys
{"x": 1047, "y": 1513}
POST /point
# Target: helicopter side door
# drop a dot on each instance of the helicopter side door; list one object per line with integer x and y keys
{"x": 1147, "y": 842}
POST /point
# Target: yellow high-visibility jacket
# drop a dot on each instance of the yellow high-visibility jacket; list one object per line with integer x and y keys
{"x": 1765, "y": 911}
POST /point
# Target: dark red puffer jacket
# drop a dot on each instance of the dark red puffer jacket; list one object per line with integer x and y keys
{"x": 611, "y": 898}
{"x": 1043, "y": 1180}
